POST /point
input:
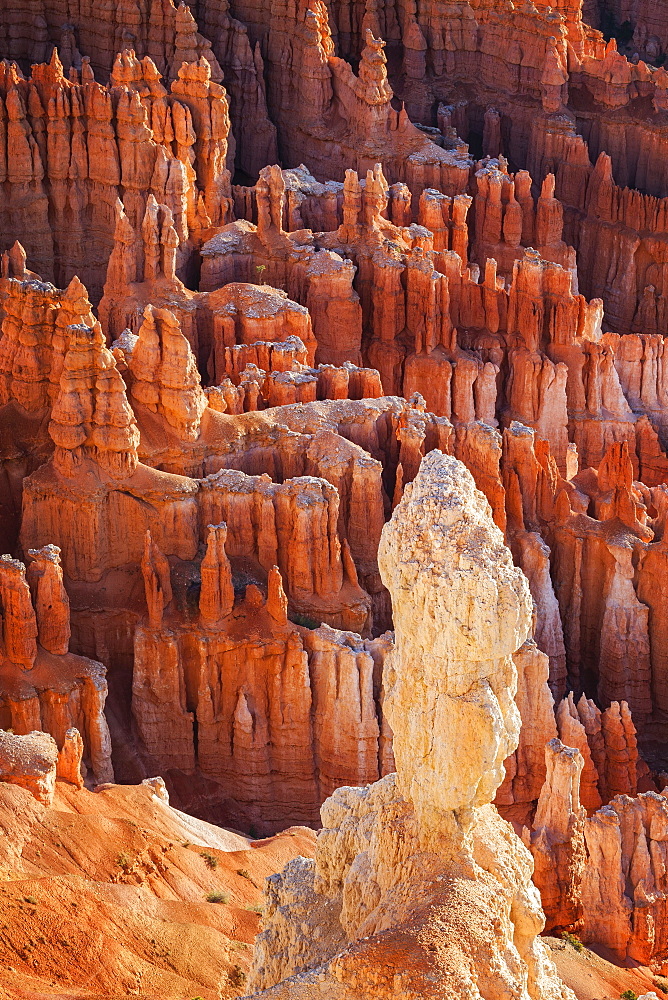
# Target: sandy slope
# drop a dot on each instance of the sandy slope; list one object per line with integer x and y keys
{"x": 103, "y": 895}
{"x": 596, "y": 976}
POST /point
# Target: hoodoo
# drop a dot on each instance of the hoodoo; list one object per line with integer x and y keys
{"x": 333, "y": 499}
{"x": 417, "y": 886}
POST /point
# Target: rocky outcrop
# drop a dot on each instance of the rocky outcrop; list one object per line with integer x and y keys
{"x": 96, "y": 437}
{"x": 91, "y": 418}
{"x": 68, "y": 767}
{"x": 164, "y": 376}
{"x": 424, "y": 841}
{"x": 558, "y": 840}
{"x": 297, "y": 531}
{"x": 76, "y": 147}
{"x": 34, "y": 321}
{"x": 52, "y": 605}
{"x": 42, "y": 685}
{"x": 30, "y": 761}
{"x": 247, "y": 319}
{"x": 525, "y": 768}
{"x": 278, "y": 737}
{"x": 624, "y": 877}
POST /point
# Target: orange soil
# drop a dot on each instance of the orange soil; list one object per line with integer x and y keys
{"x": 103, "y": 895}
{"x": 594, "y": 975}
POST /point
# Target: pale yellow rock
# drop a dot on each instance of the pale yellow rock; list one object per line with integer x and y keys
{"x": 461, "y": 609}
{"x": 419, "y": 889}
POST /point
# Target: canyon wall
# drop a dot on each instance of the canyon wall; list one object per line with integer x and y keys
{"x": 259, "y": 264}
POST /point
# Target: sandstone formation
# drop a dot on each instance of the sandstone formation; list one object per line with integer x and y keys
{"x": 30, "y": 761}
{"x": 259, "y": 263}
{"x": 420, "y": 861}
{"x": 72, "y": 147}
{"x": 557, "y": 840}
{"x": 43, "y": 686}
{"x": 276, "y": 714}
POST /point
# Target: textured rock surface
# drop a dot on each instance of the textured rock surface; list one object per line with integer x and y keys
{"x": 627, "y": 891}
{"x": 421, "y": 849}
{"x": 557, "y": 839}
{"x": 276, "y": 715}
{"x": 525, "y": 770}
{"x": 30, "y": 761}
{"x": 227, "y": 230}
{"x": 42, "y": 685}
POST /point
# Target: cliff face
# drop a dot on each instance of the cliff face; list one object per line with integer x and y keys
{"x": 277, "y": 715}
{"x": 72, "y": 148}
{"x": 42, "y": 685}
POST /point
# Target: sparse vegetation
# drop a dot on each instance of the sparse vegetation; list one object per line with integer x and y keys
{"x": 255, "y": 908}
{"x": 210, "y": 859}
{"x": 661, "y": 983}
{"x": 30, "y": 899}
{"x": 260, "y": 268}
{"x": 217, "y": 897}
{"x": 572, "y": 940}
{"x": 124, "y": 861}
{"x": 628, "y": 995}
{"x": 236, "y": 975}
{"x": 304, "y": 621}
{"x": 244, "y": 873}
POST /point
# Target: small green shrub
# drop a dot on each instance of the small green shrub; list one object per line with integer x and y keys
{"x": 628, "y": 995}
{"x": 256, "y": 908}
{"x": 210, "y": 859}
{"x": 124, "y": 861}
{"x": 217, "y": 897}
{"x": 571, "y": 939}
{"x": 244, "y": 873}
{"x": 236, "y": 975}
{"x": 298, "y": 619}
{"x": 661, "y": 983}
